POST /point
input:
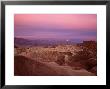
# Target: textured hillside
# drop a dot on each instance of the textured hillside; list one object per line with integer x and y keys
{"x": 25, "y": 66}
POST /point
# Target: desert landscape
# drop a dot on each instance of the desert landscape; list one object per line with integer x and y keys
{"x": 55, "y": 45}
{"x": 60, "y": 60}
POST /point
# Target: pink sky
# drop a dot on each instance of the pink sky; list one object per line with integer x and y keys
{"x": 65, "y": 20}
{"x": 84, "y": 25}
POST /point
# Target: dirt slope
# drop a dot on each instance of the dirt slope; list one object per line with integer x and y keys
{"x": 27, "y": 67}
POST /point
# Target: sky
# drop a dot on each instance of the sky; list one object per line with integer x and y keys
{"x": 56, "y": 26}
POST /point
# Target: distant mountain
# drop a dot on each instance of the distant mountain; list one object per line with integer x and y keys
{"x": 15, "y": 46}
{"x": 42, "y": 42}
{"x": 21, "y": 42}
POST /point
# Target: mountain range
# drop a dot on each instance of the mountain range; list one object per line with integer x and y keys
{"x": 43, "y": 42}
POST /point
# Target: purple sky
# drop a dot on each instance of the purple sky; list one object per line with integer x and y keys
{"x": 56, "y": 26}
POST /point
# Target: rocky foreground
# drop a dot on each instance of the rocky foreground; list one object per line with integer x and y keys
{"x": 27, "y": 67}
{"x": 61, "y": 60}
